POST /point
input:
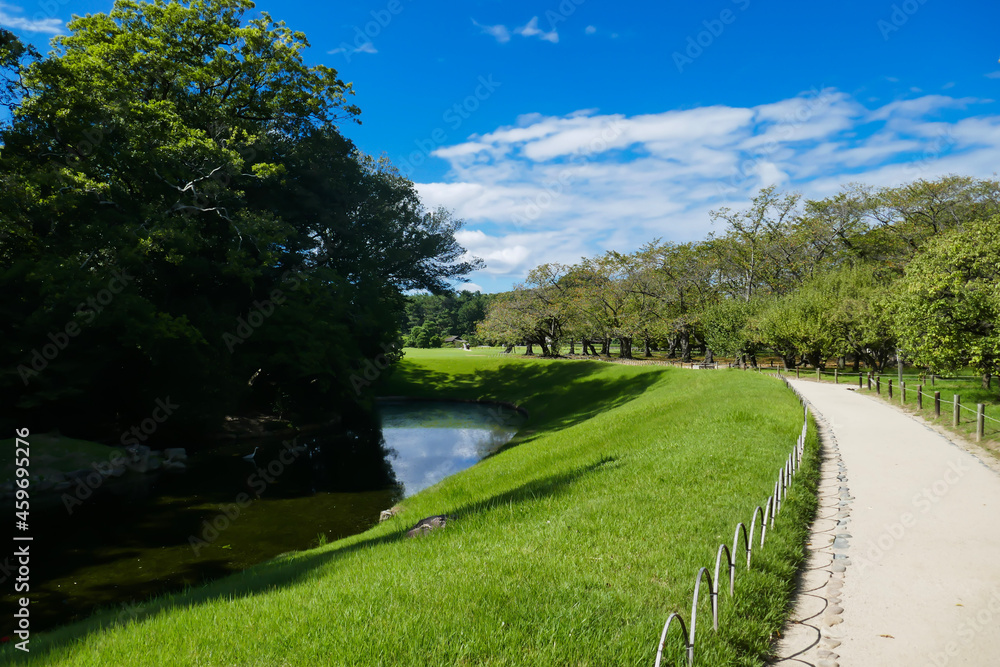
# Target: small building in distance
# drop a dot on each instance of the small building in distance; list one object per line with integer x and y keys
{"x": 454, "y": 341}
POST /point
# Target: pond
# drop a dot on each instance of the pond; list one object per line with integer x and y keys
{"x": 141, "y": 535}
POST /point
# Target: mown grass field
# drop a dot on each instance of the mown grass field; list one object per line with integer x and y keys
{"x": 570, "y": 547}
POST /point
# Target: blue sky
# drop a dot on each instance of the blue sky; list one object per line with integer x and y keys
{"x": 561, "y": 129}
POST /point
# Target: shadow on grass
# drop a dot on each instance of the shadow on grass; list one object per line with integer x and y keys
{"x": 556, "y": 394}
{"x": 280, "y": 573}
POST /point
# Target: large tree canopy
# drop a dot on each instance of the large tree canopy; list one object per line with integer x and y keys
{"x": 948, "y": 310}
{"x": 181, "y": 217}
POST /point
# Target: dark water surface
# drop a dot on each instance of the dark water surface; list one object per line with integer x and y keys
{"x": 141, "y": 535}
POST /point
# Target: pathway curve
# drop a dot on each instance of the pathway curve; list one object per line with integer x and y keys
{"x": 905, "y": 561}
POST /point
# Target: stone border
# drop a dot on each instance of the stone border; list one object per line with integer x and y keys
{"x": 810, "y": 635}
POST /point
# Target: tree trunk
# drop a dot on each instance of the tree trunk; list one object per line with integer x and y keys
{"x": 857, "y": 363}
{"x": 649, "y": 352}
{"x": 545, "y": 348}
{"x": 709, "y": 357}
{"x": 528, "y": 351}
{"x": 685, "y": 347}
{"x": 987, "y": 380}
{"x": 509, "y": 349}
{"x": 572, "y": 346}
{"x": 606, "y": 347}
{"x": 672, "y": 350}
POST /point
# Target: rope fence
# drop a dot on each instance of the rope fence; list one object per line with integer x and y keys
{"x": 874, "y": 382}
{"x": 767, "y": 515}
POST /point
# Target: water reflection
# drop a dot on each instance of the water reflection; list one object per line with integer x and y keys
{"x": 131, "y": 537}
{"x": 431, "y": 440}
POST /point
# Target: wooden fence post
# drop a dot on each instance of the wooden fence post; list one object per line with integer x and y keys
{"x": 956, "y": 416}
{"x": 819, "y": 376}
{"x": 836, "y": 376}
{"x": 937, "y": 403}
{"x": 932, "y": 379}
{"x": 796, "y": 372}
{"x": 878, "y": 385}
{"x": 920, "y": 397}
{"x": 860, "y": 380}
{"x": 890, "y": 388}
{"x": 980, "y": 421}
{"x": 902, "y": 393}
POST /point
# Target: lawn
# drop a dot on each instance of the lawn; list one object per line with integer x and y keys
{"x": 570, "y": 547}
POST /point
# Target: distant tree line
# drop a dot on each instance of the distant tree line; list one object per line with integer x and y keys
{"x": 181, "y": 217}
{"x": 862, "y": 275}
{"x": 430, "y": 318}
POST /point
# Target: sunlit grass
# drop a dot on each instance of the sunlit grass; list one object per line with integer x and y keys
{"x": 568, "y": 548}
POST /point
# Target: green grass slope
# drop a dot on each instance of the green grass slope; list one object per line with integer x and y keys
{"x": 569, "y": 548}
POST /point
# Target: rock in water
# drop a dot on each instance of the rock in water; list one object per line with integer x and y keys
{"x": 425, "y": 526}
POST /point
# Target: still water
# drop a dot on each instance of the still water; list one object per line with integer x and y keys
{"x": 141, "y": 535}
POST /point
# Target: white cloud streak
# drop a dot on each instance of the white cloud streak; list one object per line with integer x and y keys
{"x": 531, "y": 29}
{"x": 502, "y": 34}
{"x": 557, "y": 188}
{"x": 498, "y": 32}
{"x": 9, "y": 19}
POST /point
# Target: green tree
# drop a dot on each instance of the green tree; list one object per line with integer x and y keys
{"x": 730, "y": 328}
{"x": 858, "y": 298}
{"x": 189, "y": 151}
{"x": 947, "y": 310}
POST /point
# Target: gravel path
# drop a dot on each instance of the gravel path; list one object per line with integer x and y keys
{"x": 905, "y": 562}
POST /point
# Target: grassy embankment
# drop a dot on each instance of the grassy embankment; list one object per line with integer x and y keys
{"x": 569, "y": 548}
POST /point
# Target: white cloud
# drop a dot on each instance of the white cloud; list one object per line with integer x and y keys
{"x": 557, "y": 188}
{"x": 993, "y": 75}
{"x": 531, "y": 29}
{"x": 590, "y": 30}
{"x": 48, "y": 26}
{"x": 498, "y": 32}
{"x": 367, "y": 47}
{"x": 920, "y": 106}
{"x": 469, "y": 287}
